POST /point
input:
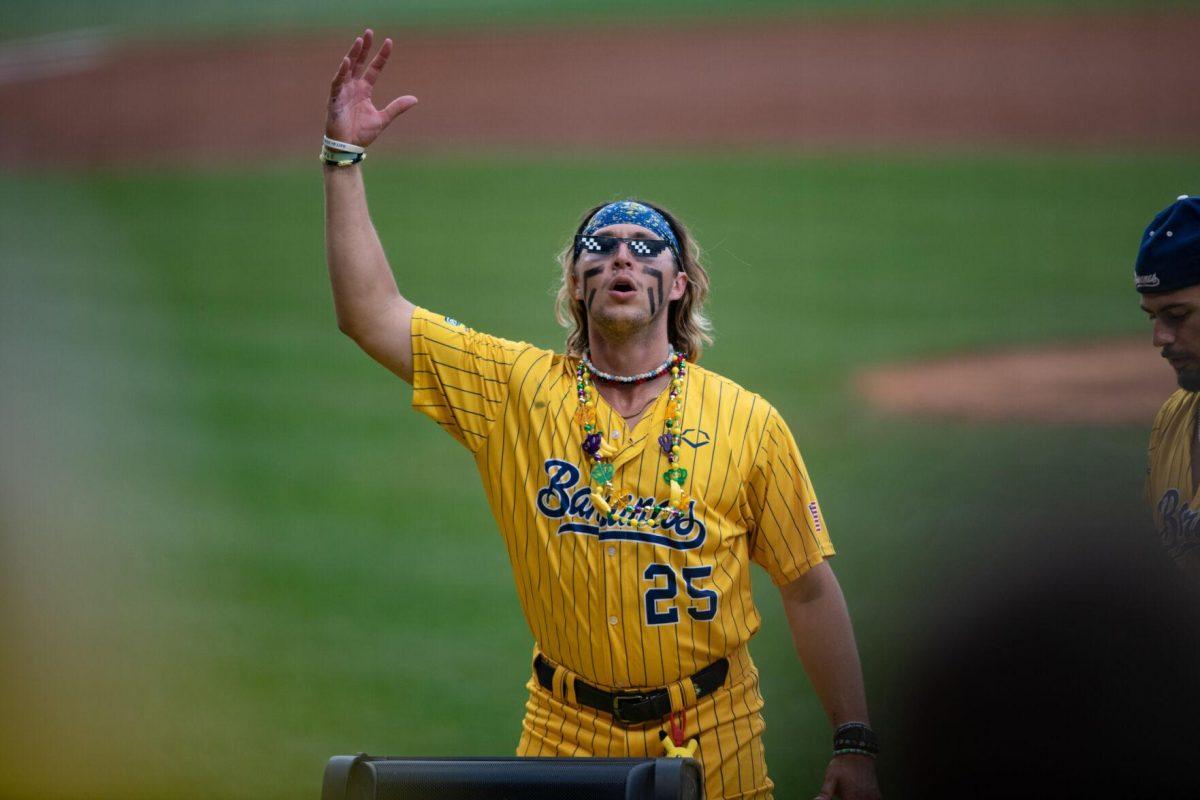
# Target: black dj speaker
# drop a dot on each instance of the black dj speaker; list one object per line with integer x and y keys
{"x": 365, "y": 777}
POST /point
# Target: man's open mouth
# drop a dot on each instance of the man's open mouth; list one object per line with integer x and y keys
{"x": 622, "y": 286}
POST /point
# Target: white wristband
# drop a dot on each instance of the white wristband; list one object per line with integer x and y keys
{"x": 345, "y": 147}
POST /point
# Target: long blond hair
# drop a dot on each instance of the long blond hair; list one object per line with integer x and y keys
{"x": 688, "y": 328}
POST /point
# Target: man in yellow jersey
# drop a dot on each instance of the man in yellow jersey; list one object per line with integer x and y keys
{"x": 1167, "y": 274}
{"x": 632, "y": 487}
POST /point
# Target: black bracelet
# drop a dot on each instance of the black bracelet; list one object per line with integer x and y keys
{"x": 338, "y": 158}
{"x": 855, "y": 738}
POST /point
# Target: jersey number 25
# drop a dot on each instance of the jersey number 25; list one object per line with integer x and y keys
{"x": 704, "y": 611}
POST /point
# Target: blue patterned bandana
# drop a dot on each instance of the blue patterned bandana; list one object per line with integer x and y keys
{"x": 627, "y": 212}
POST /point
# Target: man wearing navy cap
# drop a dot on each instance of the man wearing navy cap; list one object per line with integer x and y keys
{"x": 1167, "y": 274}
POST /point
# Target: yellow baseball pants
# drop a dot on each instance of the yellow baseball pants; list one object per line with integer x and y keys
{"x": 728, "y": 725}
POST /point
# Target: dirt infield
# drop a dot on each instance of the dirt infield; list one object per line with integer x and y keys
{"x": 1064, "y": 81}
{"x": 1107, "y": 382}
{"x": 1102, "y": 81}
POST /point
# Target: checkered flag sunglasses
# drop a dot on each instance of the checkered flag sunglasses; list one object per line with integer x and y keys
{"x": 642, "y": 249}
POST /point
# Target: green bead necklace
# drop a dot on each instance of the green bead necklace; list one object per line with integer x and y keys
{"x": 608, "y": 501}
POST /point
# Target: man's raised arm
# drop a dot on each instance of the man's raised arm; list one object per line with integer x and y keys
{"x": 370, "y": 308}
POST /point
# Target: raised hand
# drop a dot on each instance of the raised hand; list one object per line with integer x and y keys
{"x": 353, "y": 117}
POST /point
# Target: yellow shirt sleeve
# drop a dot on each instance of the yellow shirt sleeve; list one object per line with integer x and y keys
{"x": 1165, "y": 463}
{"x": 460, "y": 376}
{"x": 1155, "y": 438}
{"x": 790, "y": 536}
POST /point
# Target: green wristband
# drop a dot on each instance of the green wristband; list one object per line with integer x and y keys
{"x": 337, "y": 158}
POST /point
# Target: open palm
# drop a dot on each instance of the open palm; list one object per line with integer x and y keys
{"x": 353, "y": 117}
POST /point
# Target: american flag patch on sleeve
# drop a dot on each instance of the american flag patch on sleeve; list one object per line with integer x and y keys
{"x": 816, "y": 514}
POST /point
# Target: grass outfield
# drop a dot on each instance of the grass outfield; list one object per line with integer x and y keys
{"x": 232, "y": 551}
{"x": 20, "y": 18}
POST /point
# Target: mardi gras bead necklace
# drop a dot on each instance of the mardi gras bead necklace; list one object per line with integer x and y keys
{"x": 609, "y": 502}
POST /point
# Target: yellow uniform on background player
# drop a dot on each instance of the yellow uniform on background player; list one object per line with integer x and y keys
{"x": 631, "y": 487}
{"x": 1167, "y": 274}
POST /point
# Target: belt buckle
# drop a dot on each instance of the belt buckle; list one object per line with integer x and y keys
{"x": 620, "y": 699}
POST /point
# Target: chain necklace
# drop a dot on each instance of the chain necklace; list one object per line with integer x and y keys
{"x": 641, "y": 377}
{"x": 608, "y": 501}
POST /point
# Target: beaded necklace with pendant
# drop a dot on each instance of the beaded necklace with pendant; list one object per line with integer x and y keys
{"x": 609, "y": 501}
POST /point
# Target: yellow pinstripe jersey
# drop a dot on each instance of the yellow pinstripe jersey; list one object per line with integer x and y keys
{"x": 623, "y": 608}
{"x": 1169, "y": 487}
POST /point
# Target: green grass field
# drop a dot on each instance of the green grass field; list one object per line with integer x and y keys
{"x": 231, "y": 550}
{"x": 23, "y": 18}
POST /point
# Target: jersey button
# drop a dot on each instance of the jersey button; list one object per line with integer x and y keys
{"x": 612, "y": 551}
{"x": 612, "y": 620}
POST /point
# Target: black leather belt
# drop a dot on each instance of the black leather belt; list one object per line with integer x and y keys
{"x": 634, "y": 707}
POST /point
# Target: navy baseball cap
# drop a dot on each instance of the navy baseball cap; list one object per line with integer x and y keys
{"x": 1169, "y": 256}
